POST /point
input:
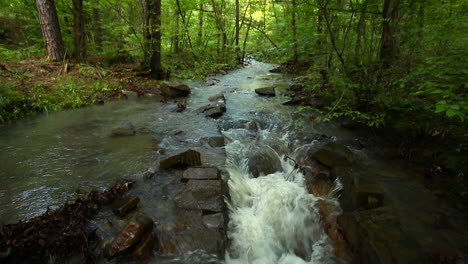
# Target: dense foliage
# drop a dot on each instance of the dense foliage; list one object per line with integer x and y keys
{"x": 383, "y": 62}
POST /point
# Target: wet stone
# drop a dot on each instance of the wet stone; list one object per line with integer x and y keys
{"x": 144, "y": 249}
{"x": 201, "y": 173}
{"x": 266, "y": 91}
{"x": 124, "y": 130}
{"x": 264, "y": 164}
{"x": 125, "y": 205}
{"x": 184, "y": 159}
{"x": 174, "y": 90}
{"x": 130, "y": 95}
{"x": 201, "y": 195}
{"x": 216, "y": 97}
{"x": 132, "y": 233}
{"x": 212, "y": 110}
{"x": 333, "y": 155}
{"x": 214, "y": 142}
{"x": 215, "y": 221}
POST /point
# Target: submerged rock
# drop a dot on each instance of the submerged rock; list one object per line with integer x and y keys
{"x": 174, "y": 90}
{"x": 124, "y": 130}
{"x": 125, "y": 204}
{"x": 266, "y": 91}
{"x": 184, "y": 159}
{"x": 132, "y": 233}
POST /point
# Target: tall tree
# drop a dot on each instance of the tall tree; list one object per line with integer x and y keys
{"x": 98, "y": 34}
{"x": 389, "y": 49}
{"x": 238, "y": 55}
{"x": 79, "y": 37}
{"x": 50, "y": 26}
{"x": 294, "y": 29}
{"x": 154, "y": 14}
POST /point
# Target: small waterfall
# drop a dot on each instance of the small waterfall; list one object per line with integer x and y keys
{"x": 272, "y": 217}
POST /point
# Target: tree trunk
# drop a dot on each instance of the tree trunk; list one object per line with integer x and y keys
{"x": 361, "y": 31}
{"x": 200, "y": 26}
{"x": 98, "y": 34}
{"x": 389, "y": 47}
{"x": 155, "y": 29}
{"x": 238, "y": 55}
{"x": 294, "y": 29}
{"x": 175, "y": 38}
{"x": 50, "y": 29}
{"x": 79, "y": 37}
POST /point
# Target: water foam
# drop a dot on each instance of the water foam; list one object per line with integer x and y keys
{"x": 272, "y": 218}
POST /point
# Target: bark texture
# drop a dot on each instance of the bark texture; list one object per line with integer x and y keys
{"x": 50, "y": 26}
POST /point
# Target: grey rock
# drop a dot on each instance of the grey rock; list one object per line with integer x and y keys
{"x": 266, "y": 91}
{"x": 184, "y": 159}
{"x": 124, "y": 130}
{"x": 201, "y": 173}
{"x": 174, "y": 90}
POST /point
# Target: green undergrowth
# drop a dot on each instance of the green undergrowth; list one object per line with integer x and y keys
{"x": 51, "y": 95}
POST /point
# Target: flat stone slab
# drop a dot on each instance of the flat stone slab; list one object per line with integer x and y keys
{"x": 201, "y": 195}
{"x": 184, "y": 159}
{"x": 201, "y": 173}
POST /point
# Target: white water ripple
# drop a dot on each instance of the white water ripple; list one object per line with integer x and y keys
{"x": 272, "y": 218}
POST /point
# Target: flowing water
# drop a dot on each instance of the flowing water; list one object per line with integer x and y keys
{"x": 49, "y": 159}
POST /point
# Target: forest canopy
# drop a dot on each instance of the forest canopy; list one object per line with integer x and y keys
{"x": 372, "y": 60}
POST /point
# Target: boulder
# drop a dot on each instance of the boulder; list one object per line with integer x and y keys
{"x": 266, "y": 91}
{"x": 184, "y": 159}
{"x": 264, "y": 163}
{"x": 174, "y": 90}
{"x": 333, "y": 154}
{"x": 212, "y": 110}
{"x": 217, "y": 97}
{"x": 130, "y": 95}
{"x": 132, "y": 233}
{"x": 201, "y": 195}
{"x": 125, "y": 204}
{"x": 124, "y": 130}
{"x": 214, "y": 142}
{"x": 201, "y": 173}
{"x": 211, "y": 82}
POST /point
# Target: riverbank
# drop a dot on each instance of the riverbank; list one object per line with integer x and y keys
{"x": 37, "y": 86}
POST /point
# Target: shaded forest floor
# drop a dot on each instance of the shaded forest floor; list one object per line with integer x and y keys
{"x": 34, "y": 86}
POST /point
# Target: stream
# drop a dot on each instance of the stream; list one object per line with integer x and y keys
{"x": 49, "y": 159}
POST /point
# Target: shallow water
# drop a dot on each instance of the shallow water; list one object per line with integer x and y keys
{"x": 48, "y": 159}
